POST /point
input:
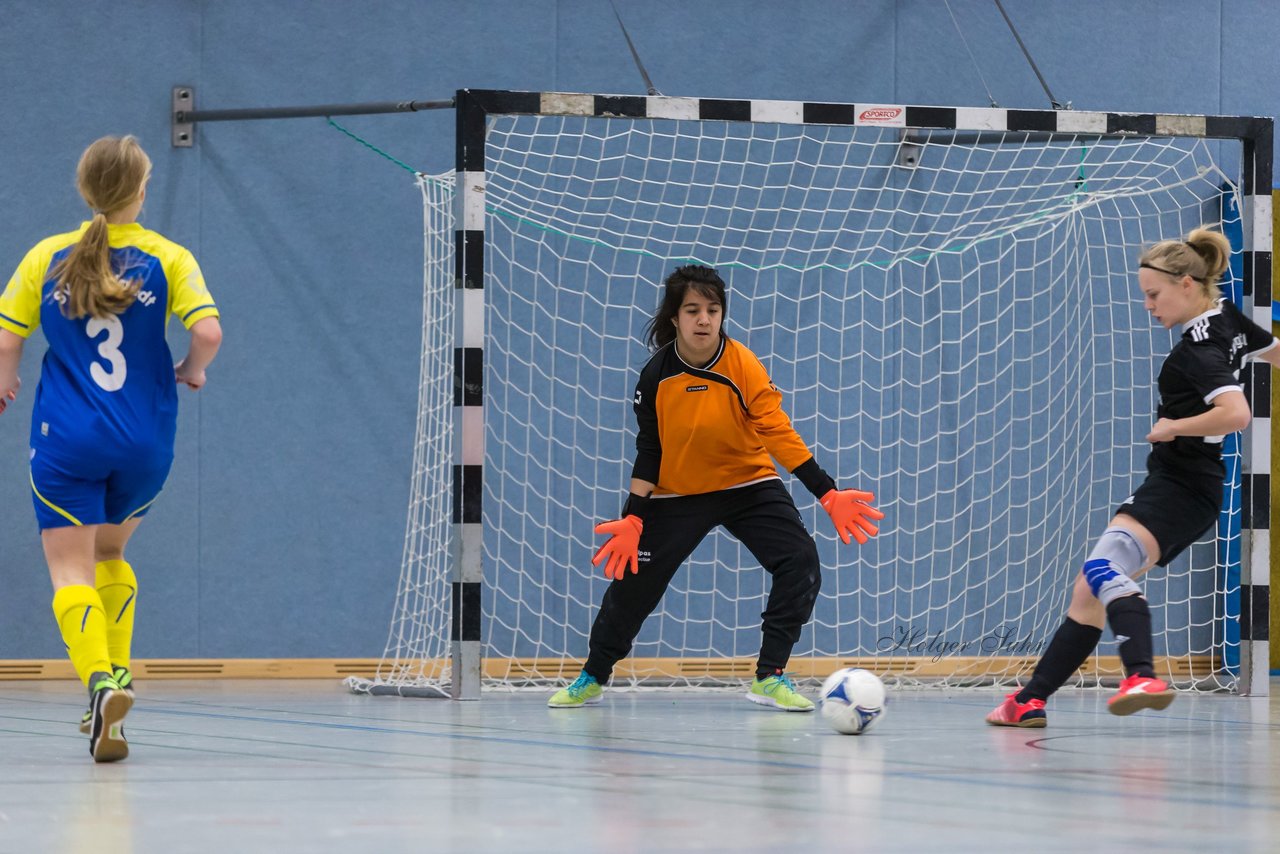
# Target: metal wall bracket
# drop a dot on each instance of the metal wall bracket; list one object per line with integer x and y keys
{"x": 909, "y": 153}
{"x": 184, "y": 101}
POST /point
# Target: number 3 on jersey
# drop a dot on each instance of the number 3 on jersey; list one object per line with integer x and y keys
{"x": 109, "y": 349}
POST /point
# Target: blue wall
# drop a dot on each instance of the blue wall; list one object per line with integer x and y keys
{"x": 280, "y": 531}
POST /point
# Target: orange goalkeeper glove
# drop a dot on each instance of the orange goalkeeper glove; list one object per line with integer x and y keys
{"x": 622, "y": 548}
{"x": 852, "y": 513}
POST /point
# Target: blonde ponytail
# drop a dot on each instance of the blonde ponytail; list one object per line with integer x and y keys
{"x": 1214, "y": 249}
{"x": 110, "y": 176}
{"x": 1203, "y": 255}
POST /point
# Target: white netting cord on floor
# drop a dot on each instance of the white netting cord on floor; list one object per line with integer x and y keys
{"x": 415, "y": 662}
{"x": 964, "y": 338}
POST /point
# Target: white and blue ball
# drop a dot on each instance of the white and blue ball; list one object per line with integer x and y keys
{"x": 852, "y": 700}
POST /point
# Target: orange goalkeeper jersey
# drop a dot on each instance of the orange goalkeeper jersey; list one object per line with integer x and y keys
{"x": 711, "y": 428}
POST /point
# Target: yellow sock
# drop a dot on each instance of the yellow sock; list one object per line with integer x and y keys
{"x": 118, "y": 588}
{"x": 78, "y": 610}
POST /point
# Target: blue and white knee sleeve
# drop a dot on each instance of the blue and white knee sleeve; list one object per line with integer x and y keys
{"x": 1116, "y": 558}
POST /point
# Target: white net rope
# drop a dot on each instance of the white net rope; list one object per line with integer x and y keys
{"x": 415, "y": 662}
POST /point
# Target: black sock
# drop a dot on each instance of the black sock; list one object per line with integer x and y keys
{"x": 1072, "y": 643}
{"x": 1130, "y": 621}
{"x": 763, "y": 673}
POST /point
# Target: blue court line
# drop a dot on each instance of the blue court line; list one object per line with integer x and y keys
{"x": 951, "y": 701}
{"x": 487, "y": 739}
{"x": 935, "y": 773}
{"x": 721, "y": 791}
{"x": 998, "y": 780}
{"x": 593, "y": 781}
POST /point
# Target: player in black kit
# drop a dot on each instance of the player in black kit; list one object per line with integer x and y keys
{"x": 1200, "y": 402}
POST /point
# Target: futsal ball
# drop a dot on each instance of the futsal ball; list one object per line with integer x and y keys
{"x": 852, "y": 700}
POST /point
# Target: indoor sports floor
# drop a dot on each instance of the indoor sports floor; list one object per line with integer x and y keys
{"x": 302, "y": 766}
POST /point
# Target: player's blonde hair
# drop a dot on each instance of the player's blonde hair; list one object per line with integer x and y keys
{"x": 1203, "y": 256}
{"x": 110, "y": 176}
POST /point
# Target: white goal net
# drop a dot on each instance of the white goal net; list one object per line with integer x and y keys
{"x": 415, "y": 662}
{"x": 954, "y": 324}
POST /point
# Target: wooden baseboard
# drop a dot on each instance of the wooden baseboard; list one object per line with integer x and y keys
{"x": 908, "y": 667}
{"x": 659, "y": 669}
{"x": 207, "y": 668}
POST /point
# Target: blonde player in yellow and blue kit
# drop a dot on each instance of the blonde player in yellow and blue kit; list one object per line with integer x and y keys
{"x": 106, "y": 409}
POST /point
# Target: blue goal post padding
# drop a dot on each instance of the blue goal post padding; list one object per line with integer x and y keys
{"x": 1229, "y": 519}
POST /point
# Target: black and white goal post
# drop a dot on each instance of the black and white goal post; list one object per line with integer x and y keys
{"x": 1256, "y": 135}
{"x": 946, "y": 298}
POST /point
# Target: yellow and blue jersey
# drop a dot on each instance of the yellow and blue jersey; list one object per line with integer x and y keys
{"x": 107, "y": 392}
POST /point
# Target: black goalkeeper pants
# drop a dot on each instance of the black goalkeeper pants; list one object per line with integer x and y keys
{"x": 764, "y": 519}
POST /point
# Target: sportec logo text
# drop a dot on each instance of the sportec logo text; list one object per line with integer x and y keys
{"x": 880, "y": 114}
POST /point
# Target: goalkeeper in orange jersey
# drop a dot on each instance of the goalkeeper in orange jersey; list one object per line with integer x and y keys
{"x": 709, "y": 421}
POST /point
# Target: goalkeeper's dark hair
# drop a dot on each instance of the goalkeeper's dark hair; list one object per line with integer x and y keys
{"x": 1203, "y": 255}
{"x": 704, "y": 281}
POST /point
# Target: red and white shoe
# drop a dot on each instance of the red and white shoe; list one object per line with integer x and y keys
{"x": 1012, "y": 713}
{"x": 1140, "y": 692}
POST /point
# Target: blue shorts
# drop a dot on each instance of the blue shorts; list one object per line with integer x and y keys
{"x": 89, "y": 493}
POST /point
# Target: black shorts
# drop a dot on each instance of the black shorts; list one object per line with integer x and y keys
{"x": 1176, "y": 510}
